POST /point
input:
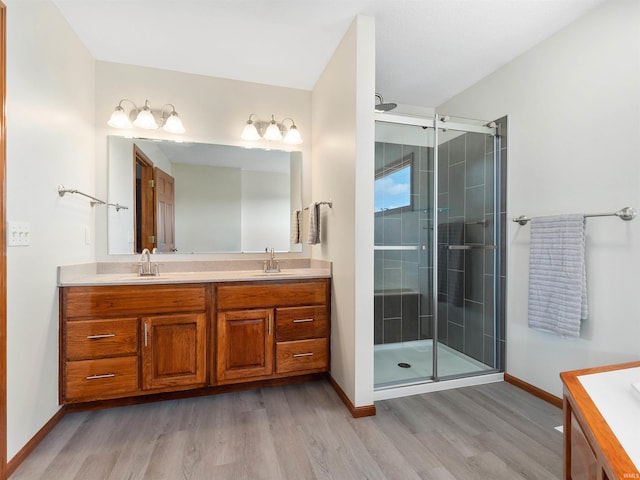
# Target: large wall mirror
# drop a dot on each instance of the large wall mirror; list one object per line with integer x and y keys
{"x": 200, "y": 198}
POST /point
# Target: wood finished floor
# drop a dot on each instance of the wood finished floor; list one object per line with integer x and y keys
{"x": 487, "y": 432}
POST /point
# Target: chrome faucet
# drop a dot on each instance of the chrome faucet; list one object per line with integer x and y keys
{"x": 271, "y": 265}
{"x": 145, "y": 267}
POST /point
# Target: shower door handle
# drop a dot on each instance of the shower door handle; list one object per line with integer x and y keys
{"x": 472, "y": 247}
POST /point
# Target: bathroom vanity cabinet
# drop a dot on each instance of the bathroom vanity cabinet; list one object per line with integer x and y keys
{"x": 126, "y": 340}
{"x": 288, "y": 319}
{"x": 120, "y": 341}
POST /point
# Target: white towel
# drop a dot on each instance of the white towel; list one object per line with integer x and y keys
{"x": 557, "y": 275}
{"x": 314, "y": 224}
{"x": 295, "y": 226}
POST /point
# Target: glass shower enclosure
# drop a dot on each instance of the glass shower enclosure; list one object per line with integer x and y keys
{"x": 436, "y": 274}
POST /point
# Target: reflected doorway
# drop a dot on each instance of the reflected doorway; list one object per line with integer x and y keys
{"x": 154, "y": 195}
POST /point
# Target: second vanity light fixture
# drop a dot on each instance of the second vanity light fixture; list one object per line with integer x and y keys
{"x": 272, "y": 131}
{"x": 145, "y": 118}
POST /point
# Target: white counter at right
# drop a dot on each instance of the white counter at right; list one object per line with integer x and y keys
{"x": 619, "y": 404}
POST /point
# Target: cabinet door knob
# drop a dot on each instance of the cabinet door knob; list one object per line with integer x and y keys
{"x": 303, "y": 320}
{"x": 104, "y": 335}
{"x": 310, "y": 354}
{"x": 146, "y": 333}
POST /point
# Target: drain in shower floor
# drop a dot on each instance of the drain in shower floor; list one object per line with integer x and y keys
{"x": 404, "y": 365}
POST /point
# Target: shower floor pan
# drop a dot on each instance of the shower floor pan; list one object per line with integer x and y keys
{"x": 419, "y": 355}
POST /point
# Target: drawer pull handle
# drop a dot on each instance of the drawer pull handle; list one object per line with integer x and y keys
{"x": 105, "y": 335}
{"x": 310, "y": 354}
{"x": 106, "y": 375}
{"x": 303, "y": 320}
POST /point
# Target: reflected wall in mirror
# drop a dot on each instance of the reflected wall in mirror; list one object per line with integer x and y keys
{"x": 201, "y": 198}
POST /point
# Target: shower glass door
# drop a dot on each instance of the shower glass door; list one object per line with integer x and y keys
{"x": 403, "y": 257}
{"x": 466, "y": 248}
{"x": 419, "y": 339}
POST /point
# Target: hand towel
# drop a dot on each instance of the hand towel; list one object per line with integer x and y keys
{"x": 557, "y": 275}
{"x": 314, "y": 224}
{"x": 295, "y": 226}
{"x": 451, "y": 262}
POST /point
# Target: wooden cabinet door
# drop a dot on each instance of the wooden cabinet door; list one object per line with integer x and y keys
{"x": 173, "y": 351}
{"x": 584, "y": 464}
{"x": 245, "y": 344}
{"x": 165, "y": 211}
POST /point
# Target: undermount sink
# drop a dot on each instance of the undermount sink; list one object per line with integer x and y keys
{"x": 260, "y": 273}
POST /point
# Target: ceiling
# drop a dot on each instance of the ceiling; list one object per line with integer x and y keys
{"x": 426, "y": 50}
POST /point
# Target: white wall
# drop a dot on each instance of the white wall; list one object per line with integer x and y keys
{"x": 573, "y": 104}
{"x": 266, "y": 211}
{"x": 121, "y": 222}
{"x": 208, "y": 208}
{"x": 50, "y": 141}
{"x": 343, "y": 171}
{"x": 213, "y": 110}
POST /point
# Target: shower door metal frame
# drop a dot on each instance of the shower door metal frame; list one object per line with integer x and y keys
{"x": 442, "y": 122}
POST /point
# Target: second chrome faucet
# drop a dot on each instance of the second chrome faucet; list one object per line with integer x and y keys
{"x": 271, "y": 265}
{"x": 145, "y": 267}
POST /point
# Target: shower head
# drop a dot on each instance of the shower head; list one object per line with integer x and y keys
{"x": 383, "y": 107}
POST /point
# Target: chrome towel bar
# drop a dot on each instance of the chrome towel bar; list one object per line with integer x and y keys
{"x": 626, "y": 214}
{"x": 329, "y": 203}
{"x": 94, "y": 201}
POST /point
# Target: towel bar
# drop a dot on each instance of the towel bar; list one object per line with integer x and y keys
{"x": 626, "y": 214}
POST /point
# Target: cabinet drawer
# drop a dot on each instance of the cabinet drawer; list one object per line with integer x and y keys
{"x": 302, "y": 355}
{"x": 119, "y": 300}
{"x": 101, "y": 338}
{"x": 297, "y": 323}
{"x": 99, "y": 379}
{"x": 266, "y": 294}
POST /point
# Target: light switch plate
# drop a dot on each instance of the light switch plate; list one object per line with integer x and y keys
{"x": 18, "y": 234}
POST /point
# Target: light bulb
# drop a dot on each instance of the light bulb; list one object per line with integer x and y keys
{"x": 145, "y": 118}
{"x": 250, "y": 131}
{"x": 293, "y": 137}
{"x": 173, "y": 124}
{"x": 119, "y": 119}
{"x": 273, "y": 131}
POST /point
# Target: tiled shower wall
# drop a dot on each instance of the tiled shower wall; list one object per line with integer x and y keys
{"x": 403, "y": 307}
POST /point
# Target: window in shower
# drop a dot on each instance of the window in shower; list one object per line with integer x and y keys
{"x": 394, "y": 187}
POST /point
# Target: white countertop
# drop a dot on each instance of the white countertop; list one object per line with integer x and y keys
{"x": 125, "y": 273}
{"x": 193, "y": 277}
{"x": 619, "y": 404}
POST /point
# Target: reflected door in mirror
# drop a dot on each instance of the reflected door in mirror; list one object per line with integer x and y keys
{"x": 165, "y": 211}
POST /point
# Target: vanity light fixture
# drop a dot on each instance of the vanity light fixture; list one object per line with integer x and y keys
{"x": 272, "y": 131}
{"x": 145, "y": 118}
